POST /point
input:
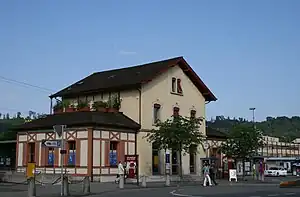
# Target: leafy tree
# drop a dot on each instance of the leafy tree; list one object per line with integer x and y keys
{"x": 178, "y": 134}
{"x": 242, "y": 143}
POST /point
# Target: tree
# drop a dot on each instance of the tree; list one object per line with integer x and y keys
{"x": 178, "y": 134}
{"x": 19, "y": 115}
{"x": 242, "y": 143}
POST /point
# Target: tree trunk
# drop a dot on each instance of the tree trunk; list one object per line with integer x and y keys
{"x": 243, "y": 164}
{"x": 180, "y": 165}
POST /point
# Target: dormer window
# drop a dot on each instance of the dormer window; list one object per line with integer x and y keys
{"x": 176, "y": 86}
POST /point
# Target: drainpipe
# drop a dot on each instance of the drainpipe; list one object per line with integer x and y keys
{"x": 135, "y": 136}
{"x": 51, "y": 105}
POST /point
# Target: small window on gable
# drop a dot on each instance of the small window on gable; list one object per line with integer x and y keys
{"x": 179, "y": 88}
{"x": 176, "y": 86}
{"x": 173, "y": 84}
{"x": 175, "y": 111}
{"x": 193, "y": 113}
{"x": 156, "y": 113}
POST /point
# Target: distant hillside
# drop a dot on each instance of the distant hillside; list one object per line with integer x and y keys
{"x": 285, "y": 128}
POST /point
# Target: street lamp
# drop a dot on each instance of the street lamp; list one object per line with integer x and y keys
{"x": 253, "y": 115}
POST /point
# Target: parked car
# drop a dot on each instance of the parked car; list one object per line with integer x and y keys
{"x": 276, "y": 171}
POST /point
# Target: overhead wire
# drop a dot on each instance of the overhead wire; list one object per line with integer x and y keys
{"x": 8, "y": 80}
{"x": 23, "y": 84}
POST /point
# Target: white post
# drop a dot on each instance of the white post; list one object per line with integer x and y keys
{"x": 144, "y": 184}
{"x": 121, "y": 181}
{"x": 167, "y": 168}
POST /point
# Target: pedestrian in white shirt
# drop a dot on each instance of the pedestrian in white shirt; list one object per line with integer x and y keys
{"x": 206, "y": 175}
{"x": 120, "y": 171}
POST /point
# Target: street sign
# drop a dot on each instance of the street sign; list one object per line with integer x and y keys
{"x": 206, "y": 145}
{"x": 59, "y": 129}
{"x": 52, "y": 143}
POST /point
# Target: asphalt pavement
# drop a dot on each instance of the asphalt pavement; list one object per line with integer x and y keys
{"x": 216, "y": 191}
{"x": 270, "y": 188}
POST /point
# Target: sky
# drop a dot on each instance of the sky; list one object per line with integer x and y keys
{"x": 247, "y": 52}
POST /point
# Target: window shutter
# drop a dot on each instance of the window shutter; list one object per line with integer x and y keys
{"x": 36, "y": 152}
{"x": 106, "y": 153}
{"x": 25, "y": 154}
{"x": 77, "y": 152}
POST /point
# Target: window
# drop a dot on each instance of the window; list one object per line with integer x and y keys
{"x": 193, "y": 114}
{"x": 175, "y": 111}
{"x": 173, "y": 84}
{"x": 71, "y": 153}
{"x": 176, "y": 86}
{"x": 31, "y": 152}
{"x": 156, "y": 113}
{"x": 113, "y": 147}
{"x": 50, "y": 157}
{"x": 179, "y": 89}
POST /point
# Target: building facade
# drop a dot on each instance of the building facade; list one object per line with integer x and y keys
{"x": 145, "y": 94}
{"x": 93, "y": 146}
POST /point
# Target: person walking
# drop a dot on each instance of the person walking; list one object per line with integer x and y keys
{"x": 120, "y": 172}
{"x": 213, "y": 172}
{"x": 206, "y": 175}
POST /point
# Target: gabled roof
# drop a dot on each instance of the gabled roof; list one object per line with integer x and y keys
{"x": 132, "y": 77}
{"x": 76, "y": 119}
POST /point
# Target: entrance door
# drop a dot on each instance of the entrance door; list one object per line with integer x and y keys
{"x": 192, "y": 162}
{"x": 155, "y": 159}
{"x": 175, "y": 163}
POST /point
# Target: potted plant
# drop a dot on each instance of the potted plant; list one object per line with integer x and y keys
{"x": 100, "y": 105}
{"x": 58, "y": 108}
{"x": 83, "y": 106}
{"x": 67, "y": 106}
{"x": 114, "y": 104}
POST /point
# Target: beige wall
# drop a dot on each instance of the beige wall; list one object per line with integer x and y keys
{"x": 159, "y": 91}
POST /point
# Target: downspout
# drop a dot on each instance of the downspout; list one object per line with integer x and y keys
{"x": 51, "y": 106}
{"x": 135, "y": 136}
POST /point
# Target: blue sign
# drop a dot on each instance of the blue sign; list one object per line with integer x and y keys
{"x": 71, "y": 159}
{"x": 167, "y": 158}
{"x": 50, "y": 158}
{"x": 113, "y": 158}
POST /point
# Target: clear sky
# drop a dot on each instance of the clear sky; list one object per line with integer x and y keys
{"x": 247, "y": 52}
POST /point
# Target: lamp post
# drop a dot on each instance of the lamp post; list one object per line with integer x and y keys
{"x": 253, "y": 115}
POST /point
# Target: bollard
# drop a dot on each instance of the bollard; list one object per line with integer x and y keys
{"x": 168, "y": 180}
{"x": 144, "y": 181}
{"x": 31, "y": 187}
{"x": 121, "y": 181}
{"x": 86, "y": 185}
{"x": 66, "y": 186}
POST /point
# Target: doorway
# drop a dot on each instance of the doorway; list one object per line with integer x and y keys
{"x": 175, "y": 163}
